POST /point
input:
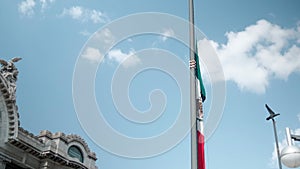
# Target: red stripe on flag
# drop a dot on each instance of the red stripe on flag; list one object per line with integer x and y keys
{"x": 201, "y": 158}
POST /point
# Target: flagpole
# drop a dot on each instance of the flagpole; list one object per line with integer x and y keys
{"x": 194, "y": 162}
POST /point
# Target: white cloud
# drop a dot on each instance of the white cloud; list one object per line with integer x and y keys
{"x": 297, "y": 131}
{"x": 92, "y": 54}
{"x": 26, "y": 7}
{"x": 118, "y": 56}
{"x": 210, "y": 65}
{"x": 97, "y": 16}
{"x": 104, "y": 39}
{"x": 75, "y": 12}
{"x": 262, "y": 51}
{"x": 167, "y": 33}
{"x": 85, "y": 33}
{"x": 125, "y": 59}
{"x": 84, "y": 14}
{"x": 45, "y": 4}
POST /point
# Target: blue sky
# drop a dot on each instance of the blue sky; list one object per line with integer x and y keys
{"x": 257, "y": 44}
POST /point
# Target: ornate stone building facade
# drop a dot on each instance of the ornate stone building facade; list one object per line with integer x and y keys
{"x": 20, "y": 149}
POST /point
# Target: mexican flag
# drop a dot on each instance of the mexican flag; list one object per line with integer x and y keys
{"x": 200, "y": 98}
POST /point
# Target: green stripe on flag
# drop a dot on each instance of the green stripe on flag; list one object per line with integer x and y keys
{"x": 198, "y": 75}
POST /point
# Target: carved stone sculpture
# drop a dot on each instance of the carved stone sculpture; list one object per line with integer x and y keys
{"x": 10, "y": 73}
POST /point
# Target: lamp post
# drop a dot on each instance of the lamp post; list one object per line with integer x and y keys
{"x": 290, "y": 155}
{"x": 272, "y": 116}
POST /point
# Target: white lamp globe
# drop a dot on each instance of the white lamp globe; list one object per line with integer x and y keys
{"x": 290, "y": 156}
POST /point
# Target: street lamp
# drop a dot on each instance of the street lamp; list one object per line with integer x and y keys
{"x": 272, "y": 116}
{"x": 290, "y": 155}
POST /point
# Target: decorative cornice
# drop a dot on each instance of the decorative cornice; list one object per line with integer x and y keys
{"x": 61, "y": 160}
{"x": 68, "y": 139}
{"x": 56, "y": 157}
{"x": 27, "y": 133}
